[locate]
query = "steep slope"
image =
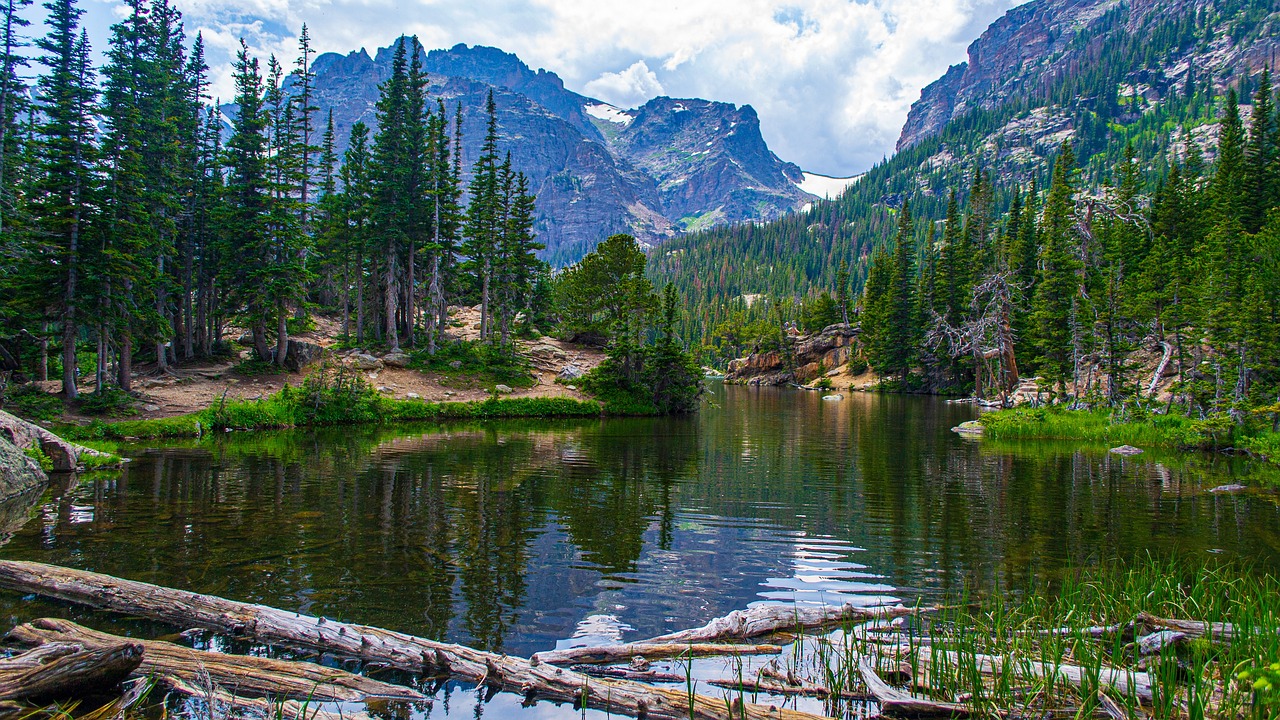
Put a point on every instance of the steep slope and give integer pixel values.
(1100, 73)
(655, 172)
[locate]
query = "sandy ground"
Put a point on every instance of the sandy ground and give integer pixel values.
(196, 385)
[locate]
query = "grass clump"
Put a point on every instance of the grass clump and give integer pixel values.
(30, 401)
(108, 402)
(35, 452)
(1154, 430)
(1052, 649)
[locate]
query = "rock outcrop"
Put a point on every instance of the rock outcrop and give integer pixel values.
(1023, 51)
(19, 474)
(22, 434)
(806, 358)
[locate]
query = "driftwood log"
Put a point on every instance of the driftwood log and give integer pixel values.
(738, 625)
(222, 704)
(68, 671)
(237, 674)
(530, 678)
(899, 704)
(607, 654)
(1126, 682)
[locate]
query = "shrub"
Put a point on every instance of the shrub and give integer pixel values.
(111, 402)
(35, 452)
(478, 365)
(31, 402)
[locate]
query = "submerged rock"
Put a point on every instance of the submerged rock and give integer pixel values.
(1126, 450)
(836, 396)
(1228, 488)
(969, 427)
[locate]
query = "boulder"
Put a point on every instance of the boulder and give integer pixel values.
(396, 359)
(837, 396)
(502, 389)
(64, 455)
(969, 427)
(365, 361)
(1127, 450)
(413, 396)
(19, 474)
(571, 372)
(301, 354)
(456, 364)
(1228, 488)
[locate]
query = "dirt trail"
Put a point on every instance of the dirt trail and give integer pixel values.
(196, 385)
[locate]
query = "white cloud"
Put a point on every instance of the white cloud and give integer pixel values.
(628, 88)
(832, 80)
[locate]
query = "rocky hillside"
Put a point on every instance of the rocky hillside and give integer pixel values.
(1104, 74)
(655, 172)
(1022, 55)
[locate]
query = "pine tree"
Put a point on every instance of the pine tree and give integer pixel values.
(1053, 318)
(484, 216)
(248, 269)
(12, 99)
(65, 182)
(903, 316)
(1261, 186)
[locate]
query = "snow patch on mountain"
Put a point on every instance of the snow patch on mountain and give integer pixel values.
(608, 113)
(824, 186)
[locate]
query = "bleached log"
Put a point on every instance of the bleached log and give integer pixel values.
(1126, 682)
(534, 680)
(768, 619)
(222, 704)
(240, 674)
(899, 704)
(604, 654)
(73, 674)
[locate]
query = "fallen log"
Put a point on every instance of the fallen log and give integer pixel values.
(74, 674)
(900, 704)
(534, 680)
(222, 704)
(1225, 632)
(1126, 682)
(239, 674)
(775, 687)
(769, 619)
(604, 654)
(629, 674)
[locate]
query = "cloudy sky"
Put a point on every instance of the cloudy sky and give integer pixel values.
(832, 80)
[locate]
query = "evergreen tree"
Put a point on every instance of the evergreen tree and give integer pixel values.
(1054, 309)
(65, 182)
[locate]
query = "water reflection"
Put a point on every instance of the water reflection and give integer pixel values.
(522, 536)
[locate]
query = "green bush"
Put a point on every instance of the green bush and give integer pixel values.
(255, 367)
(111, 402)
(477, 365)
(31, 402)
(35, 452)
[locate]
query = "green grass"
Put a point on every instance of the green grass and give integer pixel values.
(292, 407)
(30, 402)
(1102, 427)
(1086, 618)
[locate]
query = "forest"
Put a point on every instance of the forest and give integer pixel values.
(141, 220)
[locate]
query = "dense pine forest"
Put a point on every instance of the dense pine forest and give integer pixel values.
(141, 220)
(1132, 89)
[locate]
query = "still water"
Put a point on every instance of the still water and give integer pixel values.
(523, 536)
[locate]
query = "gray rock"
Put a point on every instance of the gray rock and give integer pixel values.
(836, 396)
(455, 364)
(572, 387)
(1126, 450)
(365, 361)
(969, 427)
(22, 434)
(300, 354)
(413, 396)
(503, 389)
(1228, 489)
(385, 390)
(571, 372)
(18, 473)
(151, 408)
(396, 359)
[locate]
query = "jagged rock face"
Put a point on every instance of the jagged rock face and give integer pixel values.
(1036, 41)
(811, 356)
(19, 474)
(668, 166)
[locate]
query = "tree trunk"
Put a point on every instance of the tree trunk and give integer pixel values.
(124, 368)
(359, 298)
(484, 302)
(260, 339)
(392, 292)
(282, 332)
(72, 675)
(42, 362)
